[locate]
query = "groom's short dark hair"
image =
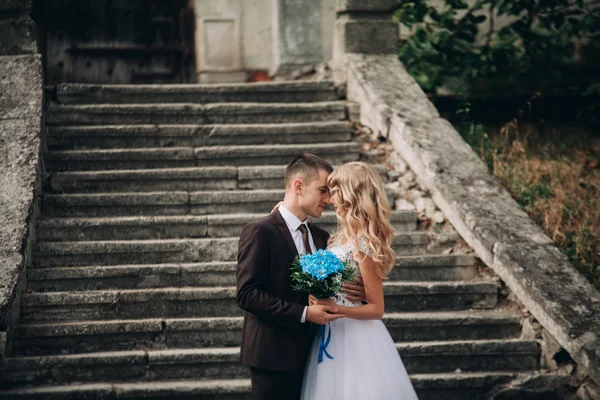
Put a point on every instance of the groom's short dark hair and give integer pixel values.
(306, 166)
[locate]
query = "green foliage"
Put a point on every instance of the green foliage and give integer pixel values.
(475, 135)
(458, 42)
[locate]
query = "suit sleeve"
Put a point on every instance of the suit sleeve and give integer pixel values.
(252, 274)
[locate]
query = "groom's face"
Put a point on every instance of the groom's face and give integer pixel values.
(315, 195)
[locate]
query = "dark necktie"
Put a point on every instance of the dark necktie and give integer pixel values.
(304, 231)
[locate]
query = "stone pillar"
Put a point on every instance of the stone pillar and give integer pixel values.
(363, 26)
(297, 38)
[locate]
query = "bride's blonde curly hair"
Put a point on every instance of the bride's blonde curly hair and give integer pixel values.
(362, 211)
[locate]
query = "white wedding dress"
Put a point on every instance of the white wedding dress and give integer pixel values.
(365, 364)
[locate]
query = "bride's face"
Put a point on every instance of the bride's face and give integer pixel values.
(337, 202)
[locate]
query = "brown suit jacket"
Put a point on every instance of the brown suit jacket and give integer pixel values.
(273, 336)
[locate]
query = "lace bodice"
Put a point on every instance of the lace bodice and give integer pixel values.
(345, 254)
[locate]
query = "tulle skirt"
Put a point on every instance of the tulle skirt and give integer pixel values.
(365, 365)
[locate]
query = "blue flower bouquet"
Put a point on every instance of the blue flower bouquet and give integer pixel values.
(321, 274)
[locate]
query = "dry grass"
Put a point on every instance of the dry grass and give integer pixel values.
(554, 174)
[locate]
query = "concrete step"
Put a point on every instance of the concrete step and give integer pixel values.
(114, 204)
(173, 157)
(427, 267)
(186, 302)
(160, 203)
(177, 364)
(140, 276)
(137, 136)
(447, 386)
(145, 180)
(121, 335)
(174, 179)
(266, 92)
(190, 113)
(118, 252)
(177, 226)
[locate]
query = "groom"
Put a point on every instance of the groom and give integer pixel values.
(276, 336)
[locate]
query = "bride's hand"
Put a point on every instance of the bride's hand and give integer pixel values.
(276, 207)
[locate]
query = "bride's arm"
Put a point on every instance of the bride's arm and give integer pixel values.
(373, 290)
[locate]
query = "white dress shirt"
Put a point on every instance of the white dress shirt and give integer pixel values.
(293, 223)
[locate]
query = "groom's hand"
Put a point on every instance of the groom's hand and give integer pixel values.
(355, 291)
(321, 315)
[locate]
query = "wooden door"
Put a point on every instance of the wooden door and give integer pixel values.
(117, 41)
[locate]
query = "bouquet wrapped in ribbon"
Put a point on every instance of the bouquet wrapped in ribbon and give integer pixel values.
(321, 274)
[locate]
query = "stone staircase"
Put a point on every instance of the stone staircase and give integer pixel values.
(132, 290)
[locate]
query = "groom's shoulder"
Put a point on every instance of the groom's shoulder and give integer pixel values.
(262, 225)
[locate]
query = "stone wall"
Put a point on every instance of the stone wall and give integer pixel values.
(270, 35)
(20, 127)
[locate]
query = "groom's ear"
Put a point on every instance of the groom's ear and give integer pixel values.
(297, 185)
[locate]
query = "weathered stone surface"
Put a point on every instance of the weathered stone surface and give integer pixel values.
(144, 180)
(367, 36)
(20, 116)
(542, 387)
(189, 113)
(20, 87)
(297, 35)
(563, 301)
(428, 386)
(375, 83)
(265, 92)
(11, 266)
(17, 36)
(335, 153)
(362, 5)
(479, 208)
(143, 136)
(134, 252)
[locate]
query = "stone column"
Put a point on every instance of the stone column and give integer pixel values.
(363, 26)
(297, 38)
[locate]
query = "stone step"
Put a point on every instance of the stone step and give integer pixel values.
(173, 179)
(144, 180)
(160, 203)
(447, 386)
(452, 267)
(211, 363)
(118, 252)
(207, 302)
(140, 276)
(138, 136)
(177, 226)
(265, 92)
(190, 113)
(114, 204)
(121, 335)
(182, 157)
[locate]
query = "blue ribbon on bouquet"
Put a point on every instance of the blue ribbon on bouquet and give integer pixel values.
(323, 343)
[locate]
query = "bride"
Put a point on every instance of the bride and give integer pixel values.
(365, 363)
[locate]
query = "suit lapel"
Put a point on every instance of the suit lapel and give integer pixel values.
(285, 232)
